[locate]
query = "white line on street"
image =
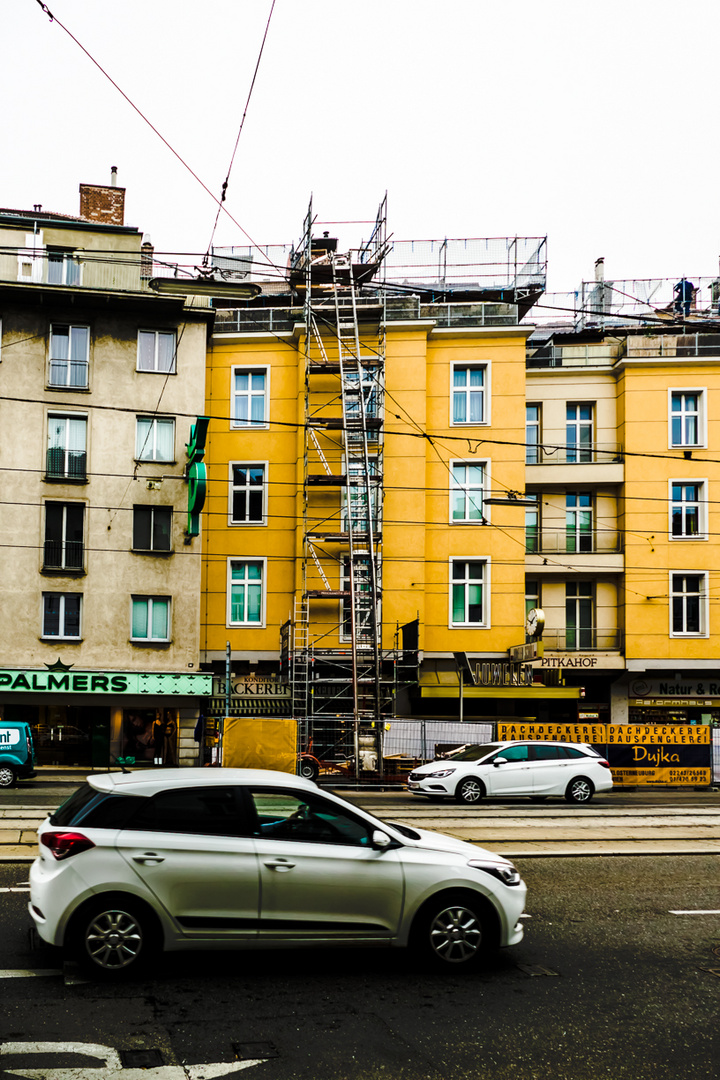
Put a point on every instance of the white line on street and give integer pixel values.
(11, 888)
(710, 912)
(28, 974)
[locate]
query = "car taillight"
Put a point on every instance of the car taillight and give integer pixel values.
(64, 844)
(602, 761)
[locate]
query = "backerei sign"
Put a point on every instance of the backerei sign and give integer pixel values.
(104, 682)
(655, 754)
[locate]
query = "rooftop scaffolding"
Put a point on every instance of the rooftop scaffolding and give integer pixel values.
(604, 304)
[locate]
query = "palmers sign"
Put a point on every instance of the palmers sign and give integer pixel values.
(104, 682)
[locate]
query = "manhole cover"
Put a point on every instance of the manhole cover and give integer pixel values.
(141, 1059)
(247, 1051)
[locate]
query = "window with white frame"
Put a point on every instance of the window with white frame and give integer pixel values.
(532, 595)
(532, 526)
(69, 356)
(688, 505)
(156, 350)
(152, 528)
(688, 604)
(61, 615)
(468, 592)
(150, 619)
(532, 434)
(469, 394)
(249, 396)
(687, 418)
(155, 438)
(246, 583)
(247, 493)
(364, 614)
(579, 431)
(580, 615)
(578, 521)
(360, 497)
(67, 447)
(63, 267)
(468, 486)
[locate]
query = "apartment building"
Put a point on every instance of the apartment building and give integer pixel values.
(367, 416)
(101, 377)
(622, 546)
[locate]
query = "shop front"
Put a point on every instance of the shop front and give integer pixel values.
(675, 699)
(95, 719)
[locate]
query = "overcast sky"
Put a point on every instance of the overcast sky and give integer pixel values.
(593, 123)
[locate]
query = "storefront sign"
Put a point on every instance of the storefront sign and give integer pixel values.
(674, 691)
(252, 686)
(503, 674)
(654, 754)
(582, 661)
(104, 682)
(197, 474)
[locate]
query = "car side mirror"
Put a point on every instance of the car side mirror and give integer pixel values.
(380, 840)
(500, 761)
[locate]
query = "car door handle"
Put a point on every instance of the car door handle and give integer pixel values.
(281, 865)
(149, 858)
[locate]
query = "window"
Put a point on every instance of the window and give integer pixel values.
(156, 350)
(368, 382)
(468, 586)
(466, 497)
(307, 818)
(64, 548)
(246, 592)
(152, 528)
(578, 521)
(364, 614)
(249, 396)
(469, 405)
(63, 267)
(532, 595)
(150, 618)
(61, 615)
(69, 356)
(207, 811)
(356, 496)
(532, 527)
(66, 454)
(532, 434)
(579, 615)
(687, 510)
(247, 494)
(688, 597)
(579, 432)
(513, 753)
(687, 420)
(155, 439)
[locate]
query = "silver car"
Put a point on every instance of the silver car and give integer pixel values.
(535, 769)
(140, 862)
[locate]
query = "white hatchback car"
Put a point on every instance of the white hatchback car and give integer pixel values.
(134, 863)
(534, 769)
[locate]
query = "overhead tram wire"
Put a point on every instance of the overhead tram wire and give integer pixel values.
(223, 194)
(53, 18)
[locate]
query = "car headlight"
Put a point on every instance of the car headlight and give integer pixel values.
(443, 772)
(504, 872)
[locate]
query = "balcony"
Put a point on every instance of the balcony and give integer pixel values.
(68, 465)
(589, 463)
(66, 556)
(582, 639)
(572, 542)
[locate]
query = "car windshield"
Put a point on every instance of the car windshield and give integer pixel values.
(472, 753)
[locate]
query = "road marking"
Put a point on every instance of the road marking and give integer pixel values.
(28, 974)
(112, 1069)
(16, 888)
(712, 911)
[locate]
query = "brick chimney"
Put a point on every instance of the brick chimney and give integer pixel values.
(105, 205)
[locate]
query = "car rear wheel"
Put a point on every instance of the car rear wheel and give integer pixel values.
(469, 791)
(579, 790)
(114, 938)
(454, 931)
(7, 776)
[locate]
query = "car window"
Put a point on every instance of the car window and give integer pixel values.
(571, 751)
(286, 815)
(470, 753)
(543, 752)
(208, 811)
(67, 811)
(514, 753)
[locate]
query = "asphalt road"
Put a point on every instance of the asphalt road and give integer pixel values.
(607, 983)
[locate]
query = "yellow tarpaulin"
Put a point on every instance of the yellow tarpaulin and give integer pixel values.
(260, 743)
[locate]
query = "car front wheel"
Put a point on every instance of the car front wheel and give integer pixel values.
(454, 931)
(114, 938)
(469, 791)
(580, 790)
(7, 776)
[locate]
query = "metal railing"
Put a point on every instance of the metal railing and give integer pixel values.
(67, 555)
(582, 639)
(567, 542)
(573, 454)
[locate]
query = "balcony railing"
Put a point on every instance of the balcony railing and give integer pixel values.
(573, 454)
(582, 639)
(66, 464)
(63, 555)
(569, 542)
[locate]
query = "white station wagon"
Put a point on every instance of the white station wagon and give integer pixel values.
(134, 863)
(535, 769)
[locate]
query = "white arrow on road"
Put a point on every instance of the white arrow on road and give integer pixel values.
(113, 1068)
